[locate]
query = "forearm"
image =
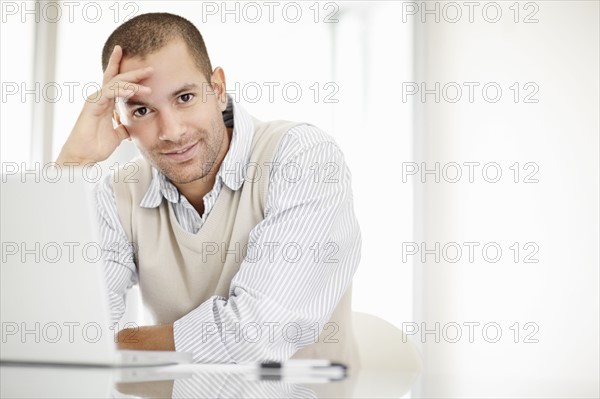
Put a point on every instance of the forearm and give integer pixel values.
(242, 328)
(68, 157)
(158, 338)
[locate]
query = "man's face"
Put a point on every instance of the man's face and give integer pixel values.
(178, 127)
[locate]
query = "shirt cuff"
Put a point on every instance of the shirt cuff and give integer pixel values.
(200, 334)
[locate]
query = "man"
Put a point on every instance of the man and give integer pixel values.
(244, 232)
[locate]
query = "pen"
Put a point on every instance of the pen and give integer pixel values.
(309, 364)
(316, 368)
(293, 379)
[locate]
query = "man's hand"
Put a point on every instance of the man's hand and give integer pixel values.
(157, 338)
(93, 138)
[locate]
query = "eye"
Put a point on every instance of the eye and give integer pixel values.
(185, 98)
(140, 111)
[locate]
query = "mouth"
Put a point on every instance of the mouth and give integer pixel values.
(182, 154)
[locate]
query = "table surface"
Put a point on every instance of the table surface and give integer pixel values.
(186, 381)
(230, 381)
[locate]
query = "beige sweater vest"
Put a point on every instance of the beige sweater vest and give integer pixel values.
(168, 257)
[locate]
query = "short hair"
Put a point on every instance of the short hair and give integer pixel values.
(148, 33)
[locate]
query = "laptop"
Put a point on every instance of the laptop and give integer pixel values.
(54, 306)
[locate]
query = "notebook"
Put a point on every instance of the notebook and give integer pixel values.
(54, 306)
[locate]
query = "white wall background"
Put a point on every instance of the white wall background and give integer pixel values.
(373, 52)
(15, 112)
(559, 214)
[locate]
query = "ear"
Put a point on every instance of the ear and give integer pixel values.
(217, 81)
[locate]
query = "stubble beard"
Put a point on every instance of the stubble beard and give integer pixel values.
(209, 146)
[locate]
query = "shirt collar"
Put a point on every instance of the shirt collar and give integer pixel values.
(231, 172)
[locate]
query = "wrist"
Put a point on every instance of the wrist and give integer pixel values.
(67, 159)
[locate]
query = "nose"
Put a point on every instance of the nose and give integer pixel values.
(172, 127)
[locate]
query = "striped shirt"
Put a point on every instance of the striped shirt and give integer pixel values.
(220, 384)
(309, 204)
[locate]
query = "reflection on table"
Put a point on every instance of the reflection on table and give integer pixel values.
(187, 381)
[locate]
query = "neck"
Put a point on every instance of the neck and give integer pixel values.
(196, 190)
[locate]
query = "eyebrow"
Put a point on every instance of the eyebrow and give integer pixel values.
(186, 87)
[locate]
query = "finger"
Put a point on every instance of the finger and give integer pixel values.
(124, 85)
(104, 100)
(122, 132)
(117, 122)
(114, 62)
(134, 76)
(123, 90)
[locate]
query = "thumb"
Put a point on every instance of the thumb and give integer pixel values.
(122, 133)
(120, 130)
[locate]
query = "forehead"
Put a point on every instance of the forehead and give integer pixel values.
(172, 64)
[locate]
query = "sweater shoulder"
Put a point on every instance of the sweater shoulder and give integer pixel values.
(133, 177)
